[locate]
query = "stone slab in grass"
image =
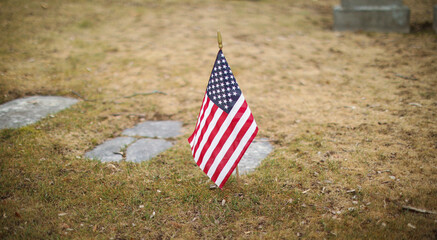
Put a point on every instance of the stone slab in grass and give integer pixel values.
(25, 111)
(159, 129)
(372, 15)
(257, 151)
(142, 149)
(109, 150)
(145, 149)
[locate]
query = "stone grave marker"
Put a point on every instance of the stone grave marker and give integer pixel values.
(257, 151)
(24, 111)
(109, 151)
(145, 149)
(140, 142)
(159, 129)
(147, 139)
(372, 15)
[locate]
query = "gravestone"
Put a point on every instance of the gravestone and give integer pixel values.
(148, 139)
(145, 149)
(435, 18)
(139, 141)
(257, 151)
(28, 110)
(109, 151)
(372, 15)
(159, 129)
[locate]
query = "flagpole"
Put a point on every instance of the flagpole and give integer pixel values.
(220, 45)
(219, 40)
(238, 175)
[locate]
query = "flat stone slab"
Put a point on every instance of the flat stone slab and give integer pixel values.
(257, 151)
(142, 149)
(159, 129)
(109, 150)
(25, 111)
(145, 149)
(365, 3)
(372, 15)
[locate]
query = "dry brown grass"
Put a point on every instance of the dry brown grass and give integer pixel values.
(352, 117)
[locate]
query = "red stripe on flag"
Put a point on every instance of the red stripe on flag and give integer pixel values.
(232, 148)
(238, 159)
(225, 136)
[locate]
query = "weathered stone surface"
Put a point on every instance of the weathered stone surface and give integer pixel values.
(257, 151)
(142, 149)
(372, 15)
(25, 111)
(159, 129)
(145, 149)
(367, 3)
(109, 150)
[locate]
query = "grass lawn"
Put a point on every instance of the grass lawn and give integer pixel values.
(352, 117)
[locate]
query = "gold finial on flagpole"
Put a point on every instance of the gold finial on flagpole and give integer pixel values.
(219, 40)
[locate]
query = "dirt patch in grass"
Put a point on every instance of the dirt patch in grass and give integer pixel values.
(351, 115)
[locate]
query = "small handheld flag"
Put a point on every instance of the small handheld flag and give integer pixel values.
(225, 126)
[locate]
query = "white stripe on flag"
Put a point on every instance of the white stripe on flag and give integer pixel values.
(222, 130)
(236, 153)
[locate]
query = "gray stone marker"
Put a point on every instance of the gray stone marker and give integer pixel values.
(109, 150)
(25, 111)
(372, 15)
(159, 129)
(141, 149)
(145, 149)
(257, 151)
(435, 18)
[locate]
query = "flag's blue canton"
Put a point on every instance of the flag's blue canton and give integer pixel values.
(222, 88)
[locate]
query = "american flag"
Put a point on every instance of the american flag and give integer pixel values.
(225, 126)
